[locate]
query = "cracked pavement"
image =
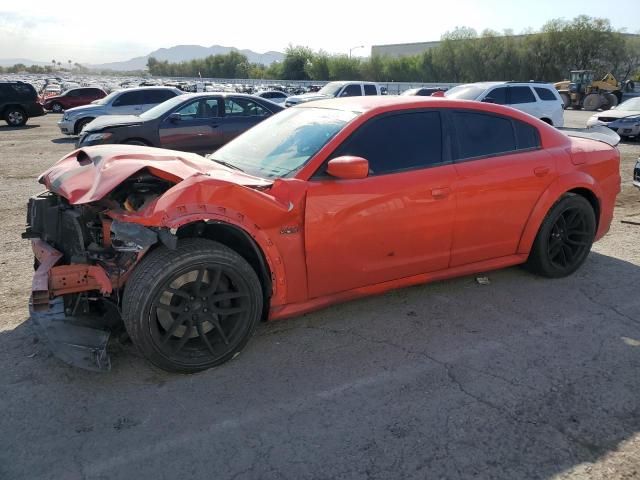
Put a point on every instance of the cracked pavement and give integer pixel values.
(524, 378)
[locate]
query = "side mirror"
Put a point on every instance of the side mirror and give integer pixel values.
(175, 117)
(348, 167)
(489, 100)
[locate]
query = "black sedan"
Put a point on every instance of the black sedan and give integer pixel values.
(199, 122)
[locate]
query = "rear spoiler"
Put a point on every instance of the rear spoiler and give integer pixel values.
(600, 133)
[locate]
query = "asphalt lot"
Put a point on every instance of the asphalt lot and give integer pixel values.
(524, 378)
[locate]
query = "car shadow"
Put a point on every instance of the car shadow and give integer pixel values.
(521, 378)
(7, 128)
(64, 140)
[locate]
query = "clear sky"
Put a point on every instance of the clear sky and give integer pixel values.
(98, 32)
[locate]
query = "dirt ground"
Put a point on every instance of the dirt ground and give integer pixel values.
(523, 378)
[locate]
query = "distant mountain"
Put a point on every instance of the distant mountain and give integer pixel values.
(183, 53)
(10, 62)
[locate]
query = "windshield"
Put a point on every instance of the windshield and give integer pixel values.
(283, 143)
(330, 89)
(107, 99)
(465, 92)
(162, 108)
(632, 104)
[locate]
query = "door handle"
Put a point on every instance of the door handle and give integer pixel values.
(440, 192)
(541, 171)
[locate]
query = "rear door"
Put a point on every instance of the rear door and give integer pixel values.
(127, 103)
(197, 129)
(152, 97)
(522, 98)
(240, 114)
(395, 223)
(502, 172)
(351, 90)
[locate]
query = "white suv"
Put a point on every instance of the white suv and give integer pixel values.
(539, 99)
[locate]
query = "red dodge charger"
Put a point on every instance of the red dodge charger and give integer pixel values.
(321, 203)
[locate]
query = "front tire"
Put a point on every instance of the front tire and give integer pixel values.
(192, 308)
(564, 239)
(56, 108)
(80, 124)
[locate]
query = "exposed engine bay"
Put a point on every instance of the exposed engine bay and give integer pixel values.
(82, 259)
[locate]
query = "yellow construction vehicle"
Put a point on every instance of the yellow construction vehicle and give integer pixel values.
(581, 91)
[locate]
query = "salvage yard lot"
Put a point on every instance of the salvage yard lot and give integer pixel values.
(522, 378)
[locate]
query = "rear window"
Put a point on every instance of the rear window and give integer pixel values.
(521, 95)
(156, 96)
(481, 135)
(18, 90)
(370, 90)
(545, 93)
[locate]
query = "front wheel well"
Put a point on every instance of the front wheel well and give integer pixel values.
(242, 243)
(593, 200)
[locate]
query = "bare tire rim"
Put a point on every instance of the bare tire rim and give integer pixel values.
(15, 118)
(200, 314)
(570, 239)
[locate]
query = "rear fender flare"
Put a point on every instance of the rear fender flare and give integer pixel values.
(549, 198)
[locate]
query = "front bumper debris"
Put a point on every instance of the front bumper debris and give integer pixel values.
(78, 341)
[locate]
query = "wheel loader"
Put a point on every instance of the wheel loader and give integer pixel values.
(581, 91)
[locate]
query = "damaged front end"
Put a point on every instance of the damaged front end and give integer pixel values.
(82, 260)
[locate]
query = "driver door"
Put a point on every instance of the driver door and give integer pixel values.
(395, 223)
(196, 129)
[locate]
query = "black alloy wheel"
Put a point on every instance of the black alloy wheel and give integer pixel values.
(564, 239)
(192, 308)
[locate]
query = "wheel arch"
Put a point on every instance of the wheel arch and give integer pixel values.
(577, 183)
(76, 130)
(9, 106)
(240, 241)
(137, 139)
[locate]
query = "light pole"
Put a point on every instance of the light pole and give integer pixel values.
(354, 48)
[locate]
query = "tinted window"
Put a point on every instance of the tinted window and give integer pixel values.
(398, 142)
(351, 91)
(126, 99)
(480, 134)
(521, 95)
(241, 107)
(499, 95)
(155, 96)
(526, 135)
(545, 93)
(370, 90)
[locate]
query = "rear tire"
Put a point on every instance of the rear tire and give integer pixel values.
(15, 117)
(192, 308)
(592, 102)
(566, 100)
(564, 239)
